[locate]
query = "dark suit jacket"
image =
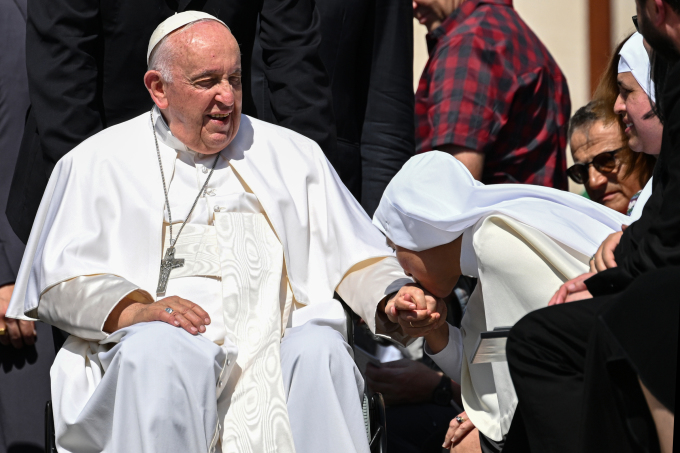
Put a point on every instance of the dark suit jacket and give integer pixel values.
(86, 60)
(367, 49)
(13, 105)
(652, 242)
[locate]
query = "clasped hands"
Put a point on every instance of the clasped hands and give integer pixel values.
(417, 311)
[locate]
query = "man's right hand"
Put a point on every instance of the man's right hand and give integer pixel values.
(17, 333)
(185, 314)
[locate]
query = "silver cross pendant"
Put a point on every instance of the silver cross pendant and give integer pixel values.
(167, 264)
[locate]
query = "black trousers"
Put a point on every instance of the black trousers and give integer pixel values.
(577, 388)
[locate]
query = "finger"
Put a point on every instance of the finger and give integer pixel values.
(402, 304)
(28, 333)
(167, 317)
(4, 339)
(415, 295)
(431, 304)
(430, 320)
(591, 264)
(14, 333)
(186, 324)
(202, 314)
(608, 258)
(462, 431)
(414, 315)
(193, 318)
(449, 436)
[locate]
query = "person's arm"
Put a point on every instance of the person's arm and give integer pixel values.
(388, 135)
(300, 91)
(94, 306)
(63, 38)
(473, 160)
(462, 119)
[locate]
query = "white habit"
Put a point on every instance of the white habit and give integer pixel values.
(520, 241)
(266, 247)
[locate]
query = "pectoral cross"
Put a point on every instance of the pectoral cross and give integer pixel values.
(167, 264)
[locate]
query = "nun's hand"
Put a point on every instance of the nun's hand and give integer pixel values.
(417, 311)
(604, 259)
(571, 290)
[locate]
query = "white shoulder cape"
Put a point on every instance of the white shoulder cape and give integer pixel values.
(102, 212)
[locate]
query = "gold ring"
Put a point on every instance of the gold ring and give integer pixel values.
(460, 420)
(3, 332)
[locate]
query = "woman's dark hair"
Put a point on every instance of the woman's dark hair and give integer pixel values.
(603, 102)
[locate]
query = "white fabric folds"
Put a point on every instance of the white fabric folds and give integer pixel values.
(105, 199)
(434, 199)
(635, 59)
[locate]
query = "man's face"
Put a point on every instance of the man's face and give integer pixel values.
(432, 13)
(205, 97)
(643, 128)
(656, 38)
(607, 188)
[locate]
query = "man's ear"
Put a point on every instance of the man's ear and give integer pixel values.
(656, 11)
(157, 88)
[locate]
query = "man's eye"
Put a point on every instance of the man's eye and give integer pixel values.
(235, 80)
(206, 83)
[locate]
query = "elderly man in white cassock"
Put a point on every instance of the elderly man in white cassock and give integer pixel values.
(192, 253)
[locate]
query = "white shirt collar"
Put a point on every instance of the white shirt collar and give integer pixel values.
(165, 134)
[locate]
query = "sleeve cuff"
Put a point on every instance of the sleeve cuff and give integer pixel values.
(450, 359)
(81, 306)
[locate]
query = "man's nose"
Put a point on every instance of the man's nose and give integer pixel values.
(596, 180)
(225, 94)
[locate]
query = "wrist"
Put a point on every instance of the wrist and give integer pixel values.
(123, 315)
(438, 339)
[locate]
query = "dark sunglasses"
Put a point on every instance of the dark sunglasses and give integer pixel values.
(635, 22)
(604, 163)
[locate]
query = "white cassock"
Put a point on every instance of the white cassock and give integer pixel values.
(273, 237)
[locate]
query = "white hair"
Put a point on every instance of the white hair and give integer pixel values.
(163, 54)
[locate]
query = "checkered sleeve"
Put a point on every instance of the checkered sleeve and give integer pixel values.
(467, 87)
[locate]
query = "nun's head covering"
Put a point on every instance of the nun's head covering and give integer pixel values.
(175, 22)
(434, 199)
(635, 59)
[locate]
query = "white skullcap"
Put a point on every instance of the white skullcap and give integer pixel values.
(174, 22)
(635, 59)
(434, 199)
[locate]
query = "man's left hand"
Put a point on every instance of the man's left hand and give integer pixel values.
(604, 257)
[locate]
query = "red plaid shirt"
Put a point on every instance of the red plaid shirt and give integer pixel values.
(490, 85)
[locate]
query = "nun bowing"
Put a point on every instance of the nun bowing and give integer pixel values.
(522, 242)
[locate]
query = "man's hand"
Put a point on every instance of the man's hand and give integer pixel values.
(416, 311)
(604, 257)
(404, 381)
(185, 314)
(459, 434)
(18, 333)
(571, 290)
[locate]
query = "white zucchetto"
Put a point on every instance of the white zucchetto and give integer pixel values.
(174, 22)
(635, 59)
(434, 199)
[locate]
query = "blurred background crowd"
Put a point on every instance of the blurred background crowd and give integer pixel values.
(520, 92)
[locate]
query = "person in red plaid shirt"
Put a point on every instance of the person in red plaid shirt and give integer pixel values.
(491, 94)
